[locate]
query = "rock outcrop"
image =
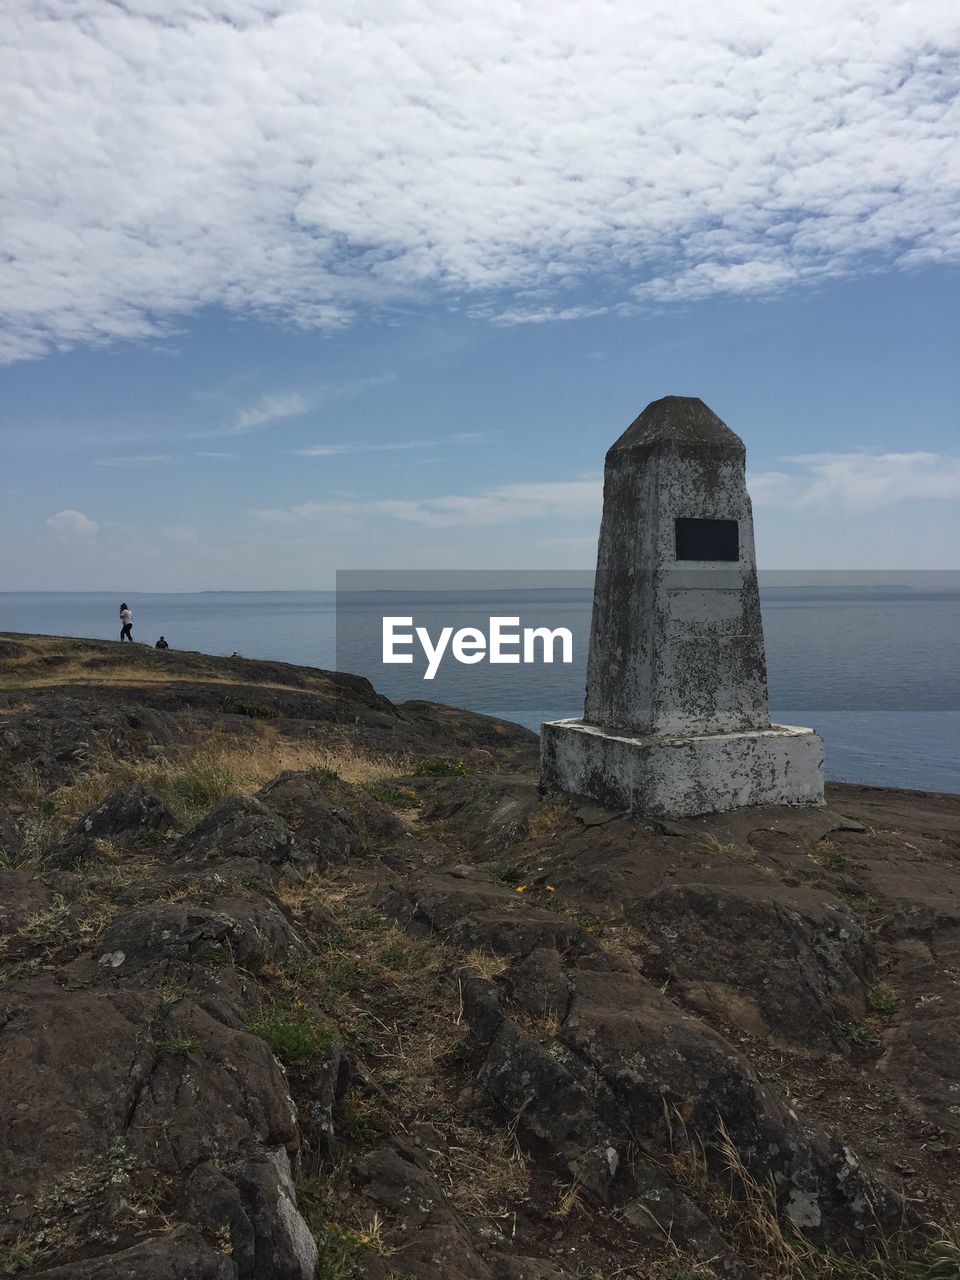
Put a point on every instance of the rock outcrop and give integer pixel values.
(425, 1023)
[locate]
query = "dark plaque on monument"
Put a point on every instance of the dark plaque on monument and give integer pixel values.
(707, 539)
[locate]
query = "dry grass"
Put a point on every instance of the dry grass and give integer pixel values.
(395, 999)
(549, 817)
(631, 944)
(569, 1199)
(196, 777)
(711, 843)
(219, 765)
(482, 1172)
(486, 964)
(829, 855)
(747, 1211)
(60, 924)
(545, 1025)
(46, 661)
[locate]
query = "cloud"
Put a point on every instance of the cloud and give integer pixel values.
(388, 446)
(136, 460)
(571, 499)
(72, 526)
(537, 315)
(267, 410)
(311, 161)
(279, 406)
(862, 481)
(859, 481)
(339, 450)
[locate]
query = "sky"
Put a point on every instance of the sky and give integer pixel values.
(292, 287)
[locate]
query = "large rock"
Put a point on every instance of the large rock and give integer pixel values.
(436, 1242)
(214, 1091)
(527, 1079)
(627, 1065)
(112, 1089)
(669, 1070)
(72, 1065)
(762, 942)
(781, 962)
(325, 830)
(242, 827)
(284, 1246)
(484, 814)
(64, 732)
(478, 915)
(249, 931)
(124, 814)
(181, 1255)
(256, 1206)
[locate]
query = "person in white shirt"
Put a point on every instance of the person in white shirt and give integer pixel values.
(126, 620)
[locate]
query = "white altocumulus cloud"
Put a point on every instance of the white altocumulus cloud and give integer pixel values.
(390, 446)
(267, 410)
(852, 481)
(72, 526)
(862, 481)
(571, 499)
(341, 450)
(310, 159)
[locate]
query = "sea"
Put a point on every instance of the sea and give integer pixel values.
(876, 672)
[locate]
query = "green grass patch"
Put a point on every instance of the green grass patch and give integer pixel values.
(199, 787)
(326, 777)
(393, 797)
(339, 1249)
(511, 873)
(171, 993)
(360, 1120)
(829, 855)
(343, 971)
(362, 918)
(441, 767)
(13, 860)
(294, 1031)
(883, 1000)
(13, 1261)
(939, 1261)
(857, 1035)
(402, 954)
(178, 1042)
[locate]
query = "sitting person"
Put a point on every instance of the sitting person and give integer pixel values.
(161, 644)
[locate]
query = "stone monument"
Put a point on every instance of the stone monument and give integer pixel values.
(675, 720)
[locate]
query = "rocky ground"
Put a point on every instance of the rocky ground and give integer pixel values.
(297, 983)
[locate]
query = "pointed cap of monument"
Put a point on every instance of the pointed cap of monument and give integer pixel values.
(682, 420)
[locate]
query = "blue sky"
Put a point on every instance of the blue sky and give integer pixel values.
(294, 288)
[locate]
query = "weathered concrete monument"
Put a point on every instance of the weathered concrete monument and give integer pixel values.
(675, 720)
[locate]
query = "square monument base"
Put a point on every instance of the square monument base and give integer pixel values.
(683, 776)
